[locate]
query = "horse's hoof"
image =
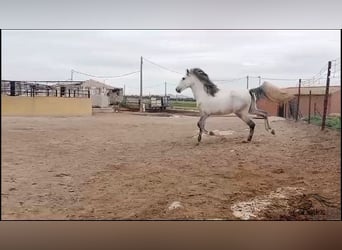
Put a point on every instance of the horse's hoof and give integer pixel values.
(211, 133)
(199, 138)
(245, 141)
(272, 132)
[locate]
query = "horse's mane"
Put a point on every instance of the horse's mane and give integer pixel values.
(208, 85)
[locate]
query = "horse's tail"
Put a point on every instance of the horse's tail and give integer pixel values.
(271, 92)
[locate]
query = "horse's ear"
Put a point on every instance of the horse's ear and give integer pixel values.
(187, 72)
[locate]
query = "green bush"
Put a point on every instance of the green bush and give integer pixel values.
(330, 122)
(333, 122)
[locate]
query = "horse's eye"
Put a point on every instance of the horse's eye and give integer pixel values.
(183, 78)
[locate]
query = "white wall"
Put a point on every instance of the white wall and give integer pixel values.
(100, 100)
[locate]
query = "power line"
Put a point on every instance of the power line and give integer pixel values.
(279, 79)
(155, 85)
(172, 83)
(108, 77)
(229, 80)
(162, 67)
(322, 74)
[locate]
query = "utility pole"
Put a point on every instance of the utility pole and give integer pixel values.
(326, 96)
(72, 74)
(309, 115)
(259, 80)
(247, 81)
(165, 89)
(124, 90)
(298, 99)
(140, 98)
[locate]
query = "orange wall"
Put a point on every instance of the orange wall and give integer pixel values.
(270, 107)
(334, 105)
(315, 99)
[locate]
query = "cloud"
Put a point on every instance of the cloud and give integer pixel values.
(223, 54)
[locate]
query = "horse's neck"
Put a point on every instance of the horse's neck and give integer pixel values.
(198, 91)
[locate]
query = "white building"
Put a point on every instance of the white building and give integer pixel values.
(101, 94)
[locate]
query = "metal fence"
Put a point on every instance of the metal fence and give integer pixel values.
(12, 88)
(150, 103)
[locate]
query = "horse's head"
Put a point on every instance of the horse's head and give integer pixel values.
(186, 82)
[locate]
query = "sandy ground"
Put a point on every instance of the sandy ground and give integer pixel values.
(130, 166)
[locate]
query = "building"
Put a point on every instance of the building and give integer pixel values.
(317, 102)
(26, 88)
(101, 94)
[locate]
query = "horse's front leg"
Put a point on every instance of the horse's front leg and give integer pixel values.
(201, 125)
(200, 130)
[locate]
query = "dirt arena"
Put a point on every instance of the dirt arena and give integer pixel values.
(131, 166)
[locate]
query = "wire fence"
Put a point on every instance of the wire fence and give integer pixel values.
(304, 106)
(310, 104)
(318, 102)
(249, 81)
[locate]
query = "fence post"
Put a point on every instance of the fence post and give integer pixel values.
(69, 92)
(74, 93)
(326, 97)
(88, 93)
(47, 92)
(309, 107)
(298, 99)
(12, 88)
(56, 93)
(141, 85)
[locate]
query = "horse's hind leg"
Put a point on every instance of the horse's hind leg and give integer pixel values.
(254, 110)
(249, 122)
(264, 115)
(201, 125)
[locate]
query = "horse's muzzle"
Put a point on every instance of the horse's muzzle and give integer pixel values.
(178, 90)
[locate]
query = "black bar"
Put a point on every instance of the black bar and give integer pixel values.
(12, 89)
(325, 104)
(298, 99)
(309, 107)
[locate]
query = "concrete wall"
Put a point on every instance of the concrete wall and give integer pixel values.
(270, 107)
(335, 105)
(45, 106)
(101, 101)
(317, 102)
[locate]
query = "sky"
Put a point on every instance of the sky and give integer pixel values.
(227, 56)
